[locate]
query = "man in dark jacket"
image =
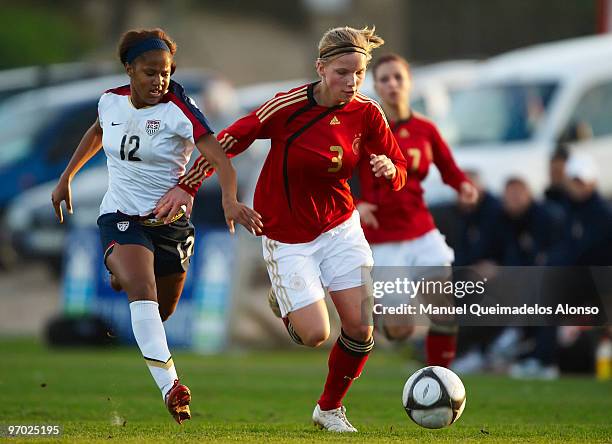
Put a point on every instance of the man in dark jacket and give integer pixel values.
(527, 229)
(476, 226)
(588, 238)
(526, 234)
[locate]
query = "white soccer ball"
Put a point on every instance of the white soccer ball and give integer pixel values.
(434, 397)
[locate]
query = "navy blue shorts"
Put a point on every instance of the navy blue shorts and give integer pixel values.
(172, 244)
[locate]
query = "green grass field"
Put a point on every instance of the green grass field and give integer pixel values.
(109, 396)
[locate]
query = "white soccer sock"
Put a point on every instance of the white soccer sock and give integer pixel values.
(151, 338)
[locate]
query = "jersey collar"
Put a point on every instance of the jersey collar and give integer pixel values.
(312, 101)
(395, 125)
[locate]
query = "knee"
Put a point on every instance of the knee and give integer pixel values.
(398, 332)
(315, 337)
(137, 288)
(165, 312)
(361, 333)
(114, 283)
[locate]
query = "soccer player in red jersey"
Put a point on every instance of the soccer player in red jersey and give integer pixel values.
(312, 238)
(399, 226)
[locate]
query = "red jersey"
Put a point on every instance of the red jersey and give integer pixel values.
(404, 215)
(303, 189)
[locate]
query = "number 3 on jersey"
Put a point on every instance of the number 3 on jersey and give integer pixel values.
(336, 160)
(133, 145)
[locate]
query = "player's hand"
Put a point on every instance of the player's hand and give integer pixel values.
(468, 194)
(366, 214)
(245, 216)
(382, 166)
(60, 193)
(175, 200)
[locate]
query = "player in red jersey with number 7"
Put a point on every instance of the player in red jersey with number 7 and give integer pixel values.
(312, 238)
(399, 226)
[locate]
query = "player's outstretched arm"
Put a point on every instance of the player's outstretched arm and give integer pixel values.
(90, 144)
(233, 140)
(235, 211)
(450, 172)
(189, 183)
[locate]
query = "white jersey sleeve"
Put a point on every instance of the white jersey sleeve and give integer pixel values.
(103, 104)
(193, 124)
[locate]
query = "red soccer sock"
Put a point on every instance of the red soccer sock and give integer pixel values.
(346, 361)
(440, 349)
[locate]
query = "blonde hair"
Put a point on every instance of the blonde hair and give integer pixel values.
(342, 40)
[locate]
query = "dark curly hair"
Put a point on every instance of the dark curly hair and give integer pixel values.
(135, 36)
(389, 57)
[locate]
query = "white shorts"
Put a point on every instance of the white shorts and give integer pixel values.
(429, 250)
(299, 272)
(427, 257)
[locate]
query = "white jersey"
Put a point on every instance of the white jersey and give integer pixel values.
(146, 148)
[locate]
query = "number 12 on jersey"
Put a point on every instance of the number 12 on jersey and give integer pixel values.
(133, 145)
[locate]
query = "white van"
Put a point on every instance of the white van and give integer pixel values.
(510, 118)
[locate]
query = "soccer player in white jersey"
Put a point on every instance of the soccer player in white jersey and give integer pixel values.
(148, 130)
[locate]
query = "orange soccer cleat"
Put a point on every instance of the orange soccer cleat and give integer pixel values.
(177, 401)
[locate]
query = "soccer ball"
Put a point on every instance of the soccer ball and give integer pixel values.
(434, 397)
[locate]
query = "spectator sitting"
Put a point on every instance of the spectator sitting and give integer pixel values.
(588, 237)
(524, 233)
(587, 240)
(527, 229)
(475, 247)
(475, 226)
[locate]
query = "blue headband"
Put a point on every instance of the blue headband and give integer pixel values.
(144, 46)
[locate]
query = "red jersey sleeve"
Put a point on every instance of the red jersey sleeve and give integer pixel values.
(380, 140)
(234, 139)
(444, 161)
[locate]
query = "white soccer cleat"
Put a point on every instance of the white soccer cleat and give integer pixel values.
(332, 420)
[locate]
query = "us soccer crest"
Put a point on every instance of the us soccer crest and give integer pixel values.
(122, 226)
(152, 126)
